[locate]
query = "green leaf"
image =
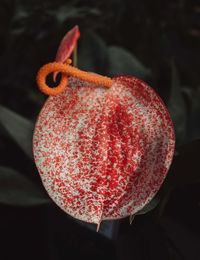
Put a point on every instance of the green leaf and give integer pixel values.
(185, 168)
(177, 106)
(108, 228)
(122, 62)
(92, 53)
(146, 209)
(194, 118)
(19, 128)
(17, 190)
(70, 11)
(150, 206)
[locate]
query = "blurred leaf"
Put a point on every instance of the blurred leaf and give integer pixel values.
(146, 209)
(194, 118)
(150, 206)
(185, 168)
(20, 13)
(92, 53)
(107, 60)
(19, 128)
(177, 107)
(17, 190)
(108, 228)
(70, 11)
(122, 62)
(65, 12)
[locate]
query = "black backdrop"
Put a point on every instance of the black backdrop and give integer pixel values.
(157, 41)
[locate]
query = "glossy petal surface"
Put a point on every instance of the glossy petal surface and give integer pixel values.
(103, 153)
(67, 44)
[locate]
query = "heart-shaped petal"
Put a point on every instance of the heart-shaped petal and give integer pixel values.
(103, 153)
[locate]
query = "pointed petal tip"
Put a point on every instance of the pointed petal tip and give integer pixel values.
(98, 227)
(67, 44)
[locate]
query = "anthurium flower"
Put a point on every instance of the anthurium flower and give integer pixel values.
(102, 146)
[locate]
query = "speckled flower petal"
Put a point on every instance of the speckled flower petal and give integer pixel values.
(103, 153)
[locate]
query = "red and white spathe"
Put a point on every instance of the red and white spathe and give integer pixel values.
(103, 153)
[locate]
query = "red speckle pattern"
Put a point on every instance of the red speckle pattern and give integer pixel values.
(103, 153)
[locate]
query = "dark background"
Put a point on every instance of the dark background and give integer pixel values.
(157, 41)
